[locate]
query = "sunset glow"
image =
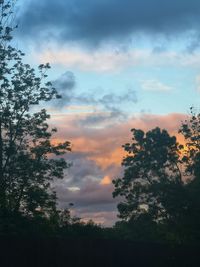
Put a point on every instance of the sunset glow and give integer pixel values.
(137, 70)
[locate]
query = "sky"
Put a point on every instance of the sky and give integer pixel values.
(118, 65)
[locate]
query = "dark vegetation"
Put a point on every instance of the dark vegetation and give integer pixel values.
(161, 184)
(159, 192)
(94, 252)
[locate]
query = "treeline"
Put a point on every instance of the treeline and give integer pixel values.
(160, 189)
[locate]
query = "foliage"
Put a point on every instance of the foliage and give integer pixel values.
(151, 164)
(161, 184)
(190, 129)
(27, 156)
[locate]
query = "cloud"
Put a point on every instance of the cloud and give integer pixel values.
(66, 82)
(99, 20)
(109, 103)
(99, 61)
(193, 43)
(101, 119)
(83, 169)
(103, 145)
(91, 194)
(96, 155)
(92, 201)
(155, 85)
(64, 85)
(106, 180)
(198, 83)
(109, 61)
(110, 100)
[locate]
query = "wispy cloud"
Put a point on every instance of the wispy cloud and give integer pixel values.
(155, 86)
(99, 61)
(102, 108)
(198, 83)
(109, 61)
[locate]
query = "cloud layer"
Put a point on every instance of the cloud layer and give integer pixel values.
(112, 62)
(96, 157)
(99, 20)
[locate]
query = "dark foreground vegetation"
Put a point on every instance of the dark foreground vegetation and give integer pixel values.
(60, 252)
(159, 192)
(39, 242)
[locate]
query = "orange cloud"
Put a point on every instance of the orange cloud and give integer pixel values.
(109, 158)
(104, 145)
(96, 156)
(106, 180)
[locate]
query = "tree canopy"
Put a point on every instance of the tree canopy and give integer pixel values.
(28, 162)
(151, 164)
(161, 180)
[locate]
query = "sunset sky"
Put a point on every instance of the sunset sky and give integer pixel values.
(118, 65)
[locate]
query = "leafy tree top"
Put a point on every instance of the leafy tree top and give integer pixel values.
(152, 160)
(27, 164)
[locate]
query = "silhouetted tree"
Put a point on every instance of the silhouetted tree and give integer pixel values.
(151, 175)
(161, 184)
(190, 129)
(27, 156)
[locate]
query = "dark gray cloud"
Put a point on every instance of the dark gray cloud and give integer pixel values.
(66, 82)
(111, 103)
(100, 118)
(97, 20)
(92, 200)
(82, 169)
(110, 100)
(87, 175)
(91, 194)
(64, 85)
